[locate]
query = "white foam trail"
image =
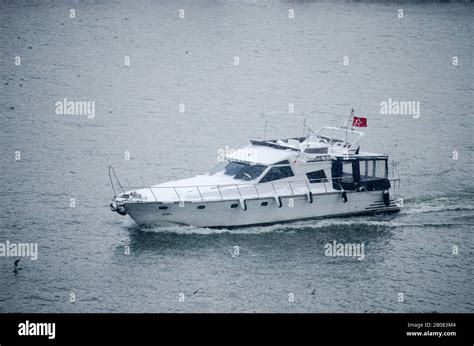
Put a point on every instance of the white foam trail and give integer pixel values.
(283, 227)
(422, 208)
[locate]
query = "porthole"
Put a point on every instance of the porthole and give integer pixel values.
(264, 204)
(201, 206)
(163, 207)
(234, 205)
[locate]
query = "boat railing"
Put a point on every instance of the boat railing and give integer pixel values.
(227, 191)
(206, 193)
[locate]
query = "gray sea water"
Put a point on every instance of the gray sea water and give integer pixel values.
(190, 61)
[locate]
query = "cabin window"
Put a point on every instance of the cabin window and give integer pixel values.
(347, 176)
(264, 204)
(343, 174)
(234, 205)
(201, 206)
(163, 207)
(373, 169)
(232, 168)
(364, 169)
(238, 170)
(380, 169)
(250, 172)
(317, 176)
(277, 173)
(347, 169)
(373, 174)
(241, 171)
(370, 170)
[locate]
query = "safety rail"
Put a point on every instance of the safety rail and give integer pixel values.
(241, 191)
(227, 191)
(207, 193)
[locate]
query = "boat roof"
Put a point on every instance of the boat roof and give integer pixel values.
(260, 155)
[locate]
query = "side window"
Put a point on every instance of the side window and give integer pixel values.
(372, 169)
(363, 169)
(347, 169)
(380, 169)
(277, 173)
(347, 176)
(317, 176)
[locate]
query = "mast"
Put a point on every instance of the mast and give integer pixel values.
(348, 120)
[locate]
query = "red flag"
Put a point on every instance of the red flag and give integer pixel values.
(359, 122)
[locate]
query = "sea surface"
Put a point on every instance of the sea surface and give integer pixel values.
(420, 260)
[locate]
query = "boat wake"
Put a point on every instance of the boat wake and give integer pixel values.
(353, 224)
(436, 205)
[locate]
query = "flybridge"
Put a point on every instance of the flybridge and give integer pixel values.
(327, 140)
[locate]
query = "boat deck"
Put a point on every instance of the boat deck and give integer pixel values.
(169, 194)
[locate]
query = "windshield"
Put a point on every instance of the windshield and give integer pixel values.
(240, 171)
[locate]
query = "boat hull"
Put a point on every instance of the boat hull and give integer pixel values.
(258, 211)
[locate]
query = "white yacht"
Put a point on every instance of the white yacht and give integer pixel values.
(323, 174)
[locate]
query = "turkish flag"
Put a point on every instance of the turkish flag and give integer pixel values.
(359, 122)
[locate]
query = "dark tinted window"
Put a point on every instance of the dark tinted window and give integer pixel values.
(317, 176)
(243, 171)
(233, 168)
(250, 172)
(277, 173)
